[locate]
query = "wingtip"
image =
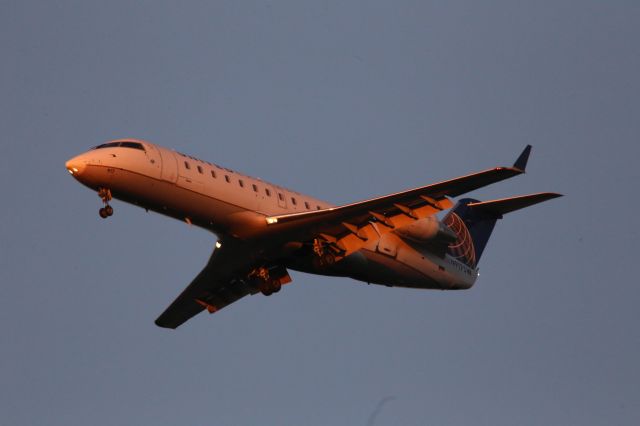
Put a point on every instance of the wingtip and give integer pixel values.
(162, 324)
(521, 162)
(553, 195)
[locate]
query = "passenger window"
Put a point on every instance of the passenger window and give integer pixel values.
(268, 192)
(200, 169)
(213, 173)
(255, 187)
(226, 177)
(280, 196)
(306, 205)
(241, 183)
(187, 165)
(293, 201)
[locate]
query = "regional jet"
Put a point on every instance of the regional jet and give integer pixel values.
(264, 230)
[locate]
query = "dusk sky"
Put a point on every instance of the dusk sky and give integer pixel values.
(343, 100)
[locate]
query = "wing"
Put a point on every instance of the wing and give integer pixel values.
(214, 288)
(346, 228)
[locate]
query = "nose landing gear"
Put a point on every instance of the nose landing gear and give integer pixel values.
(105, 196)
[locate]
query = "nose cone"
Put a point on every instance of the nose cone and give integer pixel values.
(76, 166)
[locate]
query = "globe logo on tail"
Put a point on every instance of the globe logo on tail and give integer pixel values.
(461, 249)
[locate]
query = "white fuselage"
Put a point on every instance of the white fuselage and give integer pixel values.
(232, 204)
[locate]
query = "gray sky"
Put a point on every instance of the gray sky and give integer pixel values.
(344, 101)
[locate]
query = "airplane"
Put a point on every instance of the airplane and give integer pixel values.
(264, 229)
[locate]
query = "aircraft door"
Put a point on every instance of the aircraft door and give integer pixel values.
(169, 166)
(154, 166)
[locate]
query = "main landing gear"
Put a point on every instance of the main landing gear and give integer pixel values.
(323, 257)
(105, 196)
(270, 281)
(268, 285)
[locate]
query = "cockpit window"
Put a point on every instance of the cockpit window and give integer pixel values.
(107, 145)
(134, 145)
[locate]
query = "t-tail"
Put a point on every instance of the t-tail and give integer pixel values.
(473, 222)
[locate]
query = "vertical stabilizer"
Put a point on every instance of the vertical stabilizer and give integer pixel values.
(473, 229)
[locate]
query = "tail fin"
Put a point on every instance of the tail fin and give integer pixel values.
(473, 222)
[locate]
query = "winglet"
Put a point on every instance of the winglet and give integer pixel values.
(521, 162)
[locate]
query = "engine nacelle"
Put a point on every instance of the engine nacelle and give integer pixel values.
(427, 229)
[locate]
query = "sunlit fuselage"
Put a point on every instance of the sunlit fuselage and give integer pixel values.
(232, 204)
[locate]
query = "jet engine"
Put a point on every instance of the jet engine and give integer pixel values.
(429, 229)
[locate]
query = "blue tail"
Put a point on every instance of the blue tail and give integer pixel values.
(473, 222)
(473, 229)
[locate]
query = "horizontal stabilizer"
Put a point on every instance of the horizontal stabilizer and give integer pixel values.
(508, 205)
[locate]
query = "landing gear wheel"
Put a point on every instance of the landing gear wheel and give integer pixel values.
(271, 288)
(328, 259)
(324, 261)
(105, 196)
